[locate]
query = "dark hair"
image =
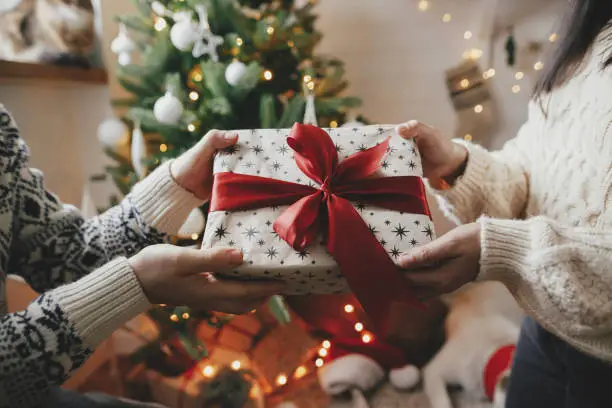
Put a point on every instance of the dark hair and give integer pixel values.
(580, 27)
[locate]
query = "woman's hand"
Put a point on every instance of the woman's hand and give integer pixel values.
(442, 159)
(193, 169)
(180, 276)
(445, 264)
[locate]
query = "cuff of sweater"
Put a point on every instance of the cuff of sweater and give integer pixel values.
(505, 247)
(163, 203)
(99, 303)
(467, 187)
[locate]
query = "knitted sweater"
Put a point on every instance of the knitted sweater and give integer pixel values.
(89, 288)
(546, 197)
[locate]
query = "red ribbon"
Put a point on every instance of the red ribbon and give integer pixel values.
(368, 269)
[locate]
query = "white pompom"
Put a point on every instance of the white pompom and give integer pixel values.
(405, 377)
(139, 151)
(124, 58)
(184, 33)
(234, 72)
(193, 225)
(168, 109)
(158, 8)
(348, 372)
(111, 132)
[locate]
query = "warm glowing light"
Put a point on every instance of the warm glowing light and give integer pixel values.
(322, 352)
(366, 338)
(254, 393)
(478, 108)
(300, 372)
(236, 365)
(195, 236)
(319, 362)
(310, 85)
(185, 316)
(163, 305)
(307, 79)
(516, 88)
(268, 75)
(281, 379)
(194, 96)
(423, 5)
(326, 344)
(467, 137)
(464, 83)
(197, 77)
(538, 65)
(446, 18)
(467, 35)
(472, 53)
(163, 148)
(358, 326)
(174, 318)
(489, 73)
(553, 37)
(519, 75)
(191, 127)
(348, 308)
(160, 24)
(208, 371)
(333, 124)
(270, 30)
(239, 41)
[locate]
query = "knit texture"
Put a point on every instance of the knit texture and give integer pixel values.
(80, 266)
(546, 197)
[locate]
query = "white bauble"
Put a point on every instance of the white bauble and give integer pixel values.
(193, 225)
(234, 72)
(111, 132)
(124, 58)
(184, 33)
(158, 8)
(168, 109)
(122, 43)
(139, 151)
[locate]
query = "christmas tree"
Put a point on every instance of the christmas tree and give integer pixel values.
(195, 65)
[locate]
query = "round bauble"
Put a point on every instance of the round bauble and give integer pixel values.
(193, 225)
(234, 72)
(183, 34)
(138, 151)
(168, 109)
(124, 58)
(122, 44)
(111, 132)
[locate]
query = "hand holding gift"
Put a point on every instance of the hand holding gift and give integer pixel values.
(323, 210)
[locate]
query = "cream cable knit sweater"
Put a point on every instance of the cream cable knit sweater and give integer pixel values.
(547, 200)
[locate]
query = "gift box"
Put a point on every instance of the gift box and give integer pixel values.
(325, 210)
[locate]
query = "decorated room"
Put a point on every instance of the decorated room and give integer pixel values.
(305, 203)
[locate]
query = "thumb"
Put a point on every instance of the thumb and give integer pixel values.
(216, 140)
(426, 255)
(194, 261)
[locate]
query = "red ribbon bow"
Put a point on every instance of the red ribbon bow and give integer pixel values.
(373, 277)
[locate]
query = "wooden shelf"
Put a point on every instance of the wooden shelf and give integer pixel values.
(39, 72)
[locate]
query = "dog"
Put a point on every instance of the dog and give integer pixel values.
(482, 329)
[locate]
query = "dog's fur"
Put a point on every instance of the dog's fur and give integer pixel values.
(482, 318)
(47, 31)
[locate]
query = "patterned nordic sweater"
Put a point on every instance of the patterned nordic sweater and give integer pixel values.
(548, 198)
(89, 289)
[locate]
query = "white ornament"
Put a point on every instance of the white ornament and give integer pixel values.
(111, 132)
(234, 72)
(158, 8)
(168, 109)
(124, 58)
(300, 4)
(183, 34)
(139, 151)
(206, 42)
(88, 208)
(193, 225)
(123, 44)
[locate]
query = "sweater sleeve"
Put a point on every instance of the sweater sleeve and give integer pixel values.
(42, 345)
(560, 275)
(494, 183)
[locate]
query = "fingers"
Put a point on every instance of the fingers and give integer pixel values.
(216, 140)
(428, 255)
(413, 129)
(193, 261)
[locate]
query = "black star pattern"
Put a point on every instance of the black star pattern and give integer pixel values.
(272, 253)
(401, 157)
(231, 150)
(413, 242)
(385, 165)
(282, 150)
(413, 151)
(339, 148)
(383, 242)
(360, 206)
(240, 157)
(239, 224)
(267, 158)
(249, 164)
(391, 150)
(250, 233)
(428, 231)
(231, 243)
(257, 149)
(268, 223)
(303, 254)
(299, 180)
(380, 130)
(372, 229)
(387, 222)
(412, 165)
(400, 231)
(276, 166)
(417, 223)
(221, 232)
(395, 252)
(261, 242)
(311, 184)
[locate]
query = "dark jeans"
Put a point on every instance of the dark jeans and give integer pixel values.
(548, 373)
